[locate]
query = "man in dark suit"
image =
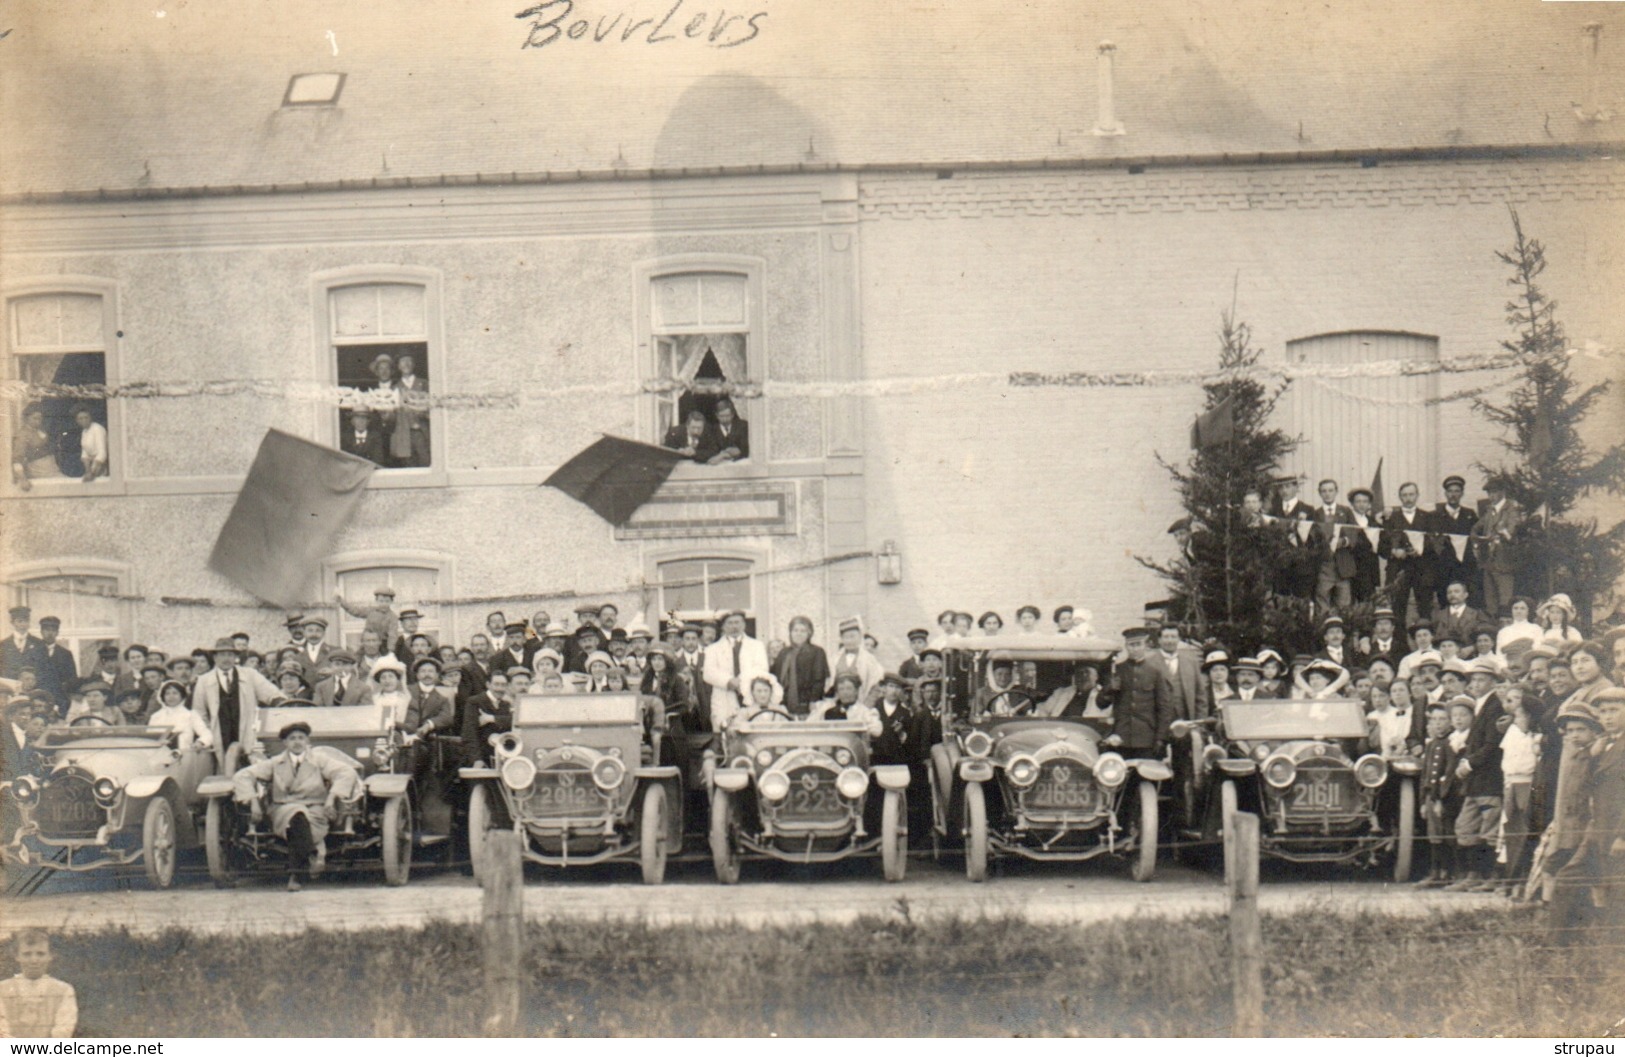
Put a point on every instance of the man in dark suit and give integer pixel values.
(1142, 708)
(1493, 538)
(345, 686)
(1604, 845)
(21, 646)
(517, 651)
(1453, 518)
(57, 667)
(409, 443)
(1456, 619)
(1479, 769)
(361, 436)
(692, 437)
(730, 437)
(1384, 643)
(1183, 667)
(1295, 575)
(1404, 546)
(1367, 567)
(1334, 579)
(1333, 642)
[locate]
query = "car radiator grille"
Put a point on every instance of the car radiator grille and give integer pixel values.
(68, 808)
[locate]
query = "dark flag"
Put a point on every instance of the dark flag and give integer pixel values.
(615, 476)
(1377, 505)
(296, 499)
(1215, 428)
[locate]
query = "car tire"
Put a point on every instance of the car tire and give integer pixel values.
(1406, 843)
(479, 828)
(724, 855)
(158, 841)
(652, 834)
(894, 835)
(397, 840)
(1145, 856)
(975, 832)
(216, 842)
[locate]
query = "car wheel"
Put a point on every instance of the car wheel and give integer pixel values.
(216, 841)
(397, 840)
(894, 835)
(1407, 831)
(479, 828)
(1145, 857)
(975, 831)
(652, 834)
(158, 842)
(724, 856)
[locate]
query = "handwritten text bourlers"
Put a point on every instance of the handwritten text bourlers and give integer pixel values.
(558, 21)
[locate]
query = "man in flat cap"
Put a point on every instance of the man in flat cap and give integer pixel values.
(228, 698)
(21, 646)
(517, 651)
(346, 686)
(1143, 700)
(917, 639)
(305, 789)
(314, 651)
(379, 617)
(1454, 518)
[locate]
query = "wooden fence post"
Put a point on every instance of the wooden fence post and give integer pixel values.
(503, 926)
(1246, 939)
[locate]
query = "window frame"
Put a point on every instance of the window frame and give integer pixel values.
(325, 427)
(112, 482)
(646, 354)
(21, 575)
(441, 564)
(760, 584)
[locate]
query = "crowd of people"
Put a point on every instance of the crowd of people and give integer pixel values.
(386, 421)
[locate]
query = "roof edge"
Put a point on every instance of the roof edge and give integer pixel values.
(1601, 151)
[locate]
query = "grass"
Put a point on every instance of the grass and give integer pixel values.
(1462, 974)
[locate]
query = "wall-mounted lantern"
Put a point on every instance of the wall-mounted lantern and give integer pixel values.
(889, 563)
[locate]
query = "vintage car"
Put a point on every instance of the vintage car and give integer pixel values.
(578, 778)
(799, 791)
(1299, 766)
(1009, 779)
(378, 822)
(107, 796)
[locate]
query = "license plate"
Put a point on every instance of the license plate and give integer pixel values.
(1317, 792)
(571, 793)
(812, 792)
(1050, 793)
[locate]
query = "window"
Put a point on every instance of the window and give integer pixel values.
(703, 358)
(695, 588)
(1348, 423)
(58, 342)
(379, 337)
(88, 606)
(416, 587)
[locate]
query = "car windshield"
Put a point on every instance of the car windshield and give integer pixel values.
(347, 721)
(1285, 720)
(574, 710)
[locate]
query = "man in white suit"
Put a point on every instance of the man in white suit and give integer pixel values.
(229, 698)
(730, 664)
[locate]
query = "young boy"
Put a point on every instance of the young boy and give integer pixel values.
(1438, 774)
(1520, 753)
(32, 1004)
(1461, 725)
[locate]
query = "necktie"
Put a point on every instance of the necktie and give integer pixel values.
(737, 644)
(338, 695)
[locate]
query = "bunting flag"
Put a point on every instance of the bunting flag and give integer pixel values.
(1416, 538)
(1459, 545)
(1215, 428)
(296, 499)
(1376, 488)
(1304, 527)
(1373, 536)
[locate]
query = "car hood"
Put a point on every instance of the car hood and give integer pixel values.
(121, 764)
(1301, 750)
(1027, 737)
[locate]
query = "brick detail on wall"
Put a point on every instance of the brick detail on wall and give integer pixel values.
(1109, 192)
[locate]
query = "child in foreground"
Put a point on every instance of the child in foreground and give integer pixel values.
(34, 1005)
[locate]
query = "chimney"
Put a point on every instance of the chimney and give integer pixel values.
(1108, 125)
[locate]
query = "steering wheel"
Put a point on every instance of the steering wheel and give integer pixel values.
(1019, 703)
(90, 721)
(765, 711)
(295, 702)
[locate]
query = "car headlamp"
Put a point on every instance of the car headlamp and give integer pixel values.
(764, 757)
(608, 772)
(506, 744)
(774, 785)
(1110, 770)
(1280, 771)
(1022, 771)
(1261, 752)
(1371, 771)
(978, 743)
(105, 790)
(843, 756)
(25, 790)
(851, 783)
(518, 773)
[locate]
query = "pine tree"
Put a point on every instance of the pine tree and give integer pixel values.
(1552, 466)
(1221, 580)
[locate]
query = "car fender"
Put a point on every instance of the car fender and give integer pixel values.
(1237, 768)
(387, 786)
(216, 785)
(146, 785)
(733, 779)
(656, 773)
(891, 776)
(975, 769)
(1152, 770)
(474, 773)
(1406, 767)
